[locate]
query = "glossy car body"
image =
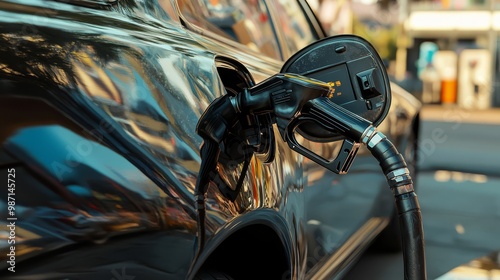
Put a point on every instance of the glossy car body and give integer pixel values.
(99, 102)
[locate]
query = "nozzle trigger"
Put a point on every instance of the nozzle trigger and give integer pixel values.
(342, 161)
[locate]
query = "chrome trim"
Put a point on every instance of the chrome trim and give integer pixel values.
(367, 134)
(400, 178)
(375, 139)
(397, 172)
(351, 249)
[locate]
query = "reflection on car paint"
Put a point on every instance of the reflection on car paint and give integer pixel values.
(98, 113)
(95, 193)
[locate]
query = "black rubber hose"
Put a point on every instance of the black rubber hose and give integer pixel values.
(412, 235)
(209, 156)
(408, 208)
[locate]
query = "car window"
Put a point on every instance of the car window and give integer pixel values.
(244, 21)
(294, 24)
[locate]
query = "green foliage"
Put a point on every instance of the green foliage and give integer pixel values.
(383, 38)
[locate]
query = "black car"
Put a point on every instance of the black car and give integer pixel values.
(99, 106)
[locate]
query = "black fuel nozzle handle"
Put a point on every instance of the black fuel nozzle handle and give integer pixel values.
(334, 118)
(283, 95)
(294, 101)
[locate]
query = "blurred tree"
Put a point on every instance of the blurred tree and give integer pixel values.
(382, 37)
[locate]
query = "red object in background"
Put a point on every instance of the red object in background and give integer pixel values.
(263, 17)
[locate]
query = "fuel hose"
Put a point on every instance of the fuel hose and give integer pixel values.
(335, 118)
(407, 205)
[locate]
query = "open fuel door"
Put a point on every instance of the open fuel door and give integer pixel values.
(361, 82)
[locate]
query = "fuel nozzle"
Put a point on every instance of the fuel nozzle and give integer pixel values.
(304, 105)
(281, 94)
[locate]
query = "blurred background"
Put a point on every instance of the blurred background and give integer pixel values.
(447, 54)
(442, 51)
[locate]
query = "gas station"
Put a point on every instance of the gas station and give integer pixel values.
(456, 46)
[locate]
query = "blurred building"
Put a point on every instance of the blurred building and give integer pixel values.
(466, 34)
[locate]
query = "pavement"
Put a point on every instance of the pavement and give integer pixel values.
(452, 113)
(457, 139)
